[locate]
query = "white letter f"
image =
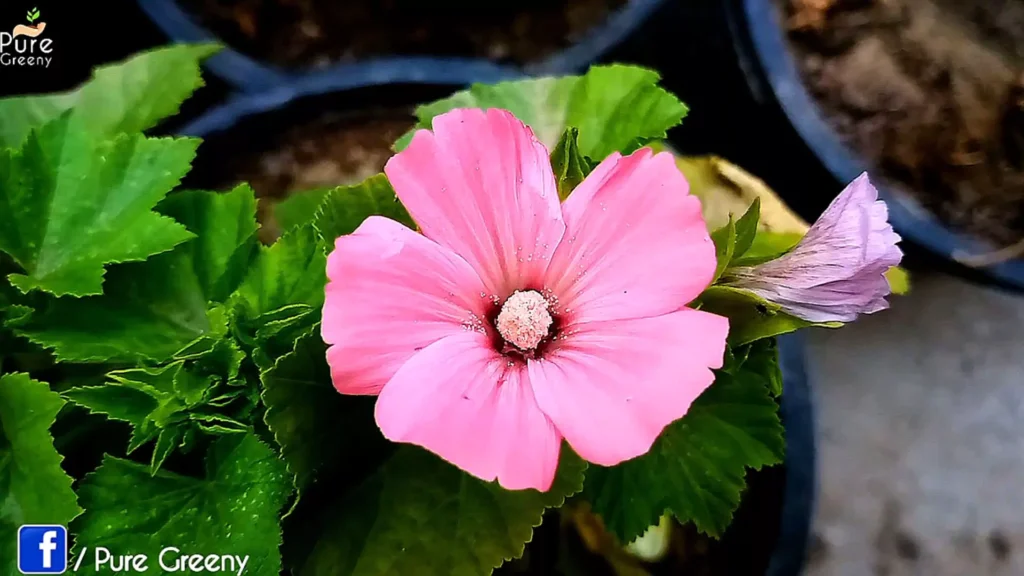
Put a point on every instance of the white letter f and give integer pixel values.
(47, 546)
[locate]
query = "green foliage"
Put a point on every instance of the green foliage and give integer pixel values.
(225, 237)
(34, 488)
(768, 246)
(307, 415)
(232, 510)
(725, 247)
(298, 209)
(32, 15)
(154, 308)
(751, 317)
(158, 316)
(616, 108)
(345, 208)
(200, 391)
(123, 98)
(430, 519)
(696, 468)
(746, 229)
(291, 271)
(569, 165)
(71, 203)
(734, 240)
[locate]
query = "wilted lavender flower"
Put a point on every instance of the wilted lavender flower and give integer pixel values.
(837, 271)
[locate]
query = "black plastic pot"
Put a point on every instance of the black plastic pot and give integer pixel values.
(250, 75)
(801, 459)
(786, 492)
(794, 148)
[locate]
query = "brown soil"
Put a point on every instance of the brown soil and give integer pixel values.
(333, 150)
(932, 93)
(320, 32)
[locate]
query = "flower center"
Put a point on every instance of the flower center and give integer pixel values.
(524, 319)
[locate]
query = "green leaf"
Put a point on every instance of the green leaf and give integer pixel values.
(218, 424)
(299, 208)
(346, 207)
(725, 246)
(155, 308)
(150, 311)
(569, 166)
(142, 397)
(751, 317)
(746, 229)
(735, 238)
(191, 387)
(233, 510)
(427, 517)
(278, 331)
(619, 107)
(768, 246)
(541, 103)
(126, 97)
(696, 468)
(761, 359)
(33, 487)
(615, 107)
(171, 403)
(166, 442)
(417, 514)
(291, 271)
(225, 228)
(307, 415)
(70, 204)
(130, 404)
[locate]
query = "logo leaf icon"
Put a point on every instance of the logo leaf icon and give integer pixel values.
(33, 15)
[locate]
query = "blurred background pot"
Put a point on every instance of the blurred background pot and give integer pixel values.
(322, 131)
(271, 42)
(784, 134)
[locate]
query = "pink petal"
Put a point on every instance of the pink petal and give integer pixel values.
(481, 184)
(612, 387)
(837, 271)
(464, 402)
(635, 243)
(390, 293)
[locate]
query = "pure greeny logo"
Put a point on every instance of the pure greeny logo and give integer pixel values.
(23, 46)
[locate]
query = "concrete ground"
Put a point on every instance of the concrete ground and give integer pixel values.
(921, 437)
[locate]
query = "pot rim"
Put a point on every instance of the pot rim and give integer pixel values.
(780, 75)
(243, 105)
(249, 74)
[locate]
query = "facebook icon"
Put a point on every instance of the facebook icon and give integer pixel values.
(42, 549)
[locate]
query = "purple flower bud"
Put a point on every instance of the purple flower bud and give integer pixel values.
(837, 271)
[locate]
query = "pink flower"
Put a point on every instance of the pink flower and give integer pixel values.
(837, 271)
(512, 321)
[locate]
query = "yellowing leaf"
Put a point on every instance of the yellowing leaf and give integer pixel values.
(725, 189)
(899, 280)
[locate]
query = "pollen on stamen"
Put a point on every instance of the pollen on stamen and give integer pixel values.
(474, 324)
(524, 320)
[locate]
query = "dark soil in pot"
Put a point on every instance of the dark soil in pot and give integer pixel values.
(303, 33)
(931, 92)
(329, 150)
